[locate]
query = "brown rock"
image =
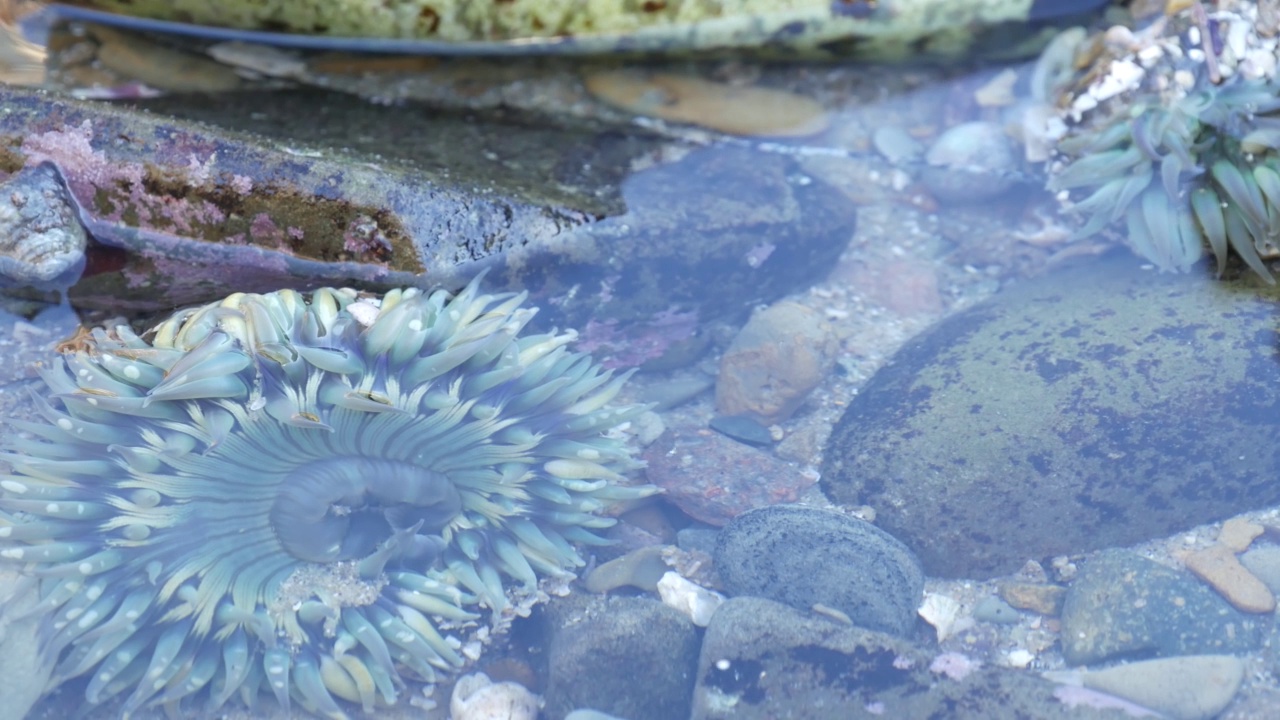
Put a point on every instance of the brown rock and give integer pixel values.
(1040, 599)
(1218, 566)
(778, 357)
(1238, 534)
(733, 109)
(160, 67)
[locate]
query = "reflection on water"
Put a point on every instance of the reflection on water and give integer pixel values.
(838, 282)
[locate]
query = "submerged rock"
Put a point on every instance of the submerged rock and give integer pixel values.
(592, 637)
(1124, 606)
(805, 556)
(1195, 687)
(629, 238)
(774, 362)
(763, 660)
(1098, 406)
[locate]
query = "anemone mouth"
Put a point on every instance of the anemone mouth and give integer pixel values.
(306, 498)
(348, 508)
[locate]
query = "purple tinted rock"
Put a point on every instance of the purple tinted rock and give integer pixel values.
(714, 479)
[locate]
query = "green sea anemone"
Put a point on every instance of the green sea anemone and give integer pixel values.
(306, 497)
(1201, 168)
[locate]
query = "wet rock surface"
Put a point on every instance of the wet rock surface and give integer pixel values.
(607, 229)
(763, 660)
(1123, 606)
(805, 556)
(1051, 420)
(591, 637)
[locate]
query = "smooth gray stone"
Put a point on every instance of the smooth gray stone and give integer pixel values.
(630, 657)
(805, 556)
(1124, 605)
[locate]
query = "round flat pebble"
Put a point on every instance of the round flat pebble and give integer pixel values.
(805, 556)
(995, 610)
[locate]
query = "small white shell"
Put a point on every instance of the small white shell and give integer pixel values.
(689, 598)
(476, 697)
(942, 612)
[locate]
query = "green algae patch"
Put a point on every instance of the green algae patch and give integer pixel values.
(1099, 406)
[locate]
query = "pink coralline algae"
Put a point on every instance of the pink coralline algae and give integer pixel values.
(116, 188)
(954, 665)
(265, 232)
(363, 238)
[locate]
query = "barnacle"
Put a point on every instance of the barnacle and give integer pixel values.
(307, 497)
(1201, 168)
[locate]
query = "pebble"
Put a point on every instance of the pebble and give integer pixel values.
(1192, 687)
(806, 556)
(1264, 562)
(896, 145)
(1123, 605)
(970, 163)
(774, 362)
(641, 568)
(737, 110)
(1038, 598)
(994, 610)
(674, 392)
(1218, 566)
(714, 479)
(742, 428)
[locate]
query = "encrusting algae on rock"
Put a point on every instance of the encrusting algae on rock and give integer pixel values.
(304, 496)
(895, 28)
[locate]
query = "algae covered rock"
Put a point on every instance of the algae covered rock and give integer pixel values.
(1098, 406)
(894, 28)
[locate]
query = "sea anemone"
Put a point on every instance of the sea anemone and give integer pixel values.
(1184, 157)
(309, 495)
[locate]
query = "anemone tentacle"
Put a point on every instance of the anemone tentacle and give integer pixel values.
(1186, 157)
(306, 497)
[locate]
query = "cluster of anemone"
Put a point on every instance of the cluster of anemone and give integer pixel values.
(1204, 168)
(305, 498)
